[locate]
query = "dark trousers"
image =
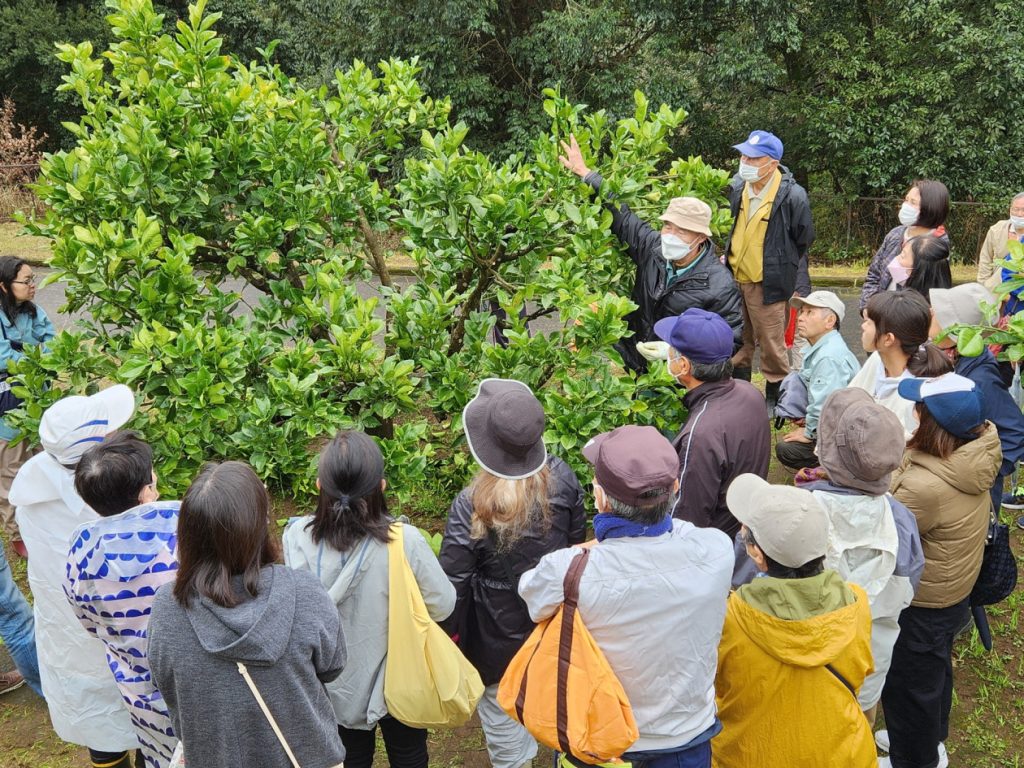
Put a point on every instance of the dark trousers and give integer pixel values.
(114, 759)
(406, 747)
(918, 690)
(796, 455)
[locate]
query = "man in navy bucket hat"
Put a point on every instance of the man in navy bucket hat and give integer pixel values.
(767, 253)
(726, 431)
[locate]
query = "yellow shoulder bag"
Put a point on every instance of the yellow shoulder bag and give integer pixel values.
(428, 683)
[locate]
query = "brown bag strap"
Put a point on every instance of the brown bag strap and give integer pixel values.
(571, 592)
(571, 589)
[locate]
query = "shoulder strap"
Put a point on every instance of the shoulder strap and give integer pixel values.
(571, 588)
(266, 713)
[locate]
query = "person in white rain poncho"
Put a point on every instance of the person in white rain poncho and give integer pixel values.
(85, 704)
(873, 540)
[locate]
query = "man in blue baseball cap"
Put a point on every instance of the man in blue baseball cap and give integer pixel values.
(726, 432)
(767, 253)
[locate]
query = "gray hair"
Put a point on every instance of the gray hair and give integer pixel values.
(646, 515)
(710, 372)
(1018, 196)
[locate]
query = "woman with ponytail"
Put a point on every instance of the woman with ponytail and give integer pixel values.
(344, 544)
(521, 505)
(895, 333)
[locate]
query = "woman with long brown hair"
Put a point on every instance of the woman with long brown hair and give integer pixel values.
(521, 505)
(233, 608)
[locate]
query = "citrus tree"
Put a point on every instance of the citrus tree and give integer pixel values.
(229, 235)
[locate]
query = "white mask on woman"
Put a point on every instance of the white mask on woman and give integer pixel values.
(908, 214)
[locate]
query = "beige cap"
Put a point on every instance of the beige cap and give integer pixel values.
(790, 526)
(960, 304)
(690, 214)
(823, 299)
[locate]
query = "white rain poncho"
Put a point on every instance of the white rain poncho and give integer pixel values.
(85, 704)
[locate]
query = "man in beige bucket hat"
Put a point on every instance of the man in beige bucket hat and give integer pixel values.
(676, 267)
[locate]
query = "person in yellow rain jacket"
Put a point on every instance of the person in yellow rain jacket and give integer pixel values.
(796, 645)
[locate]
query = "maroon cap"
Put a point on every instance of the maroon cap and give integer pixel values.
(630, 462)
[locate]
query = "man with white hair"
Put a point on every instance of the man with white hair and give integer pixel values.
(994, 248)
(828, 365)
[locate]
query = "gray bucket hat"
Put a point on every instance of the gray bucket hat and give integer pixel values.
(504, 426)
(860, 442)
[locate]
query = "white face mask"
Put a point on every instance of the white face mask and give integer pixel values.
(673, 248)
(908, 215)
(1017, 222)
(749, 173)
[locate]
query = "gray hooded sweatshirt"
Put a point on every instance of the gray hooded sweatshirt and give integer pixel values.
(290, 639)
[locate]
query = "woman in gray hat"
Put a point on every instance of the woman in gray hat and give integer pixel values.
(873, 539)
(521, 505)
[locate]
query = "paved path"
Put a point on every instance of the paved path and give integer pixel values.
(51, 299)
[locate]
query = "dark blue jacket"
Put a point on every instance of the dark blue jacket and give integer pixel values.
(998, 406)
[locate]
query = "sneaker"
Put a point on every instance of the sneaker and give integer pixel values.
(882, 742)
(1020, 522)
(11, 681)
(1013, 501)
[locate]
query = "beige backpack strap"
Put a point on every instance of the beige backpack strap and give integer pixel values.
(266, 713)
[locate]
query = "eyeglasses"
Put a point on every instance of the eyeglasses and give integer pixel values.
(26, 281)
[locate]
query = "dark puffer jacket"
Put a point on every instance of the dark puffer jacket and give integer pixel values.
(708, 285)
(490, 617)
(789, 237)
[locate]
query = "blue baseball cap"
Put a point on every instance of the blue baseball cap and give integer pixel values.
(697, 334)
(952, 400)
(761, 144)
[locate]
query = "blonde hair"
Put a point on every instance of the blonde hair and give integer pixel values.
(509, 507)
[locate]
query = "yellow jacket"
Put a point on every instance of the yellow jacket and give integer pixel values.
(779, 704)
(746, 247)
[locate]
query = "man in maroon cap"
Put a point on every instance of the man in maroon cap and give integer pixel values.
(652, 594)
(726, 432)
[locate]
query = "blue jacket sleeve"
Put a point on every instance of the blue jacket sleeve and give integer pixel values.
(1004, 413)
(828, 376)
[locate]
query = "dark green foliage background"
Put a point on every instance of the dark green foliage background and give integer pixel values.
(866, 95)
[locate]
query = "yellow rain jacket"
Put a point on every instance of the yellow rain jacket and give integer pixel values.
(780, 705)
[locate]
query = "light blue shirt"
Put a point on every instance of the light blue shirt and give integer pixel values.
(828, 365)
(28, 329)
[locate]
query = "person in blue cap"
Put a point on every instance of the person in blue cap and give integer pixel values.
(726, 433)
(767, 253)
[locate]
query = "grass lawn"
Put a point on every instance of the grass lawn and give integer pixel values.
(34, 249)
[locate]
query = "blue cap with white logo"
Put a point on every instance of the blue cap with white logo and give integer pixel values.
(761, 144)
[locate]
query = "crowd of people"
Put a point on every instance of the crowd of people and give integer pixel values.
(748, 623)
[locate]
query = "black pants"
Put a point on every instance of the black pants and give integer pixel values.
(918, 690)
(796, 455)
(114, 759)
(406, 747)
